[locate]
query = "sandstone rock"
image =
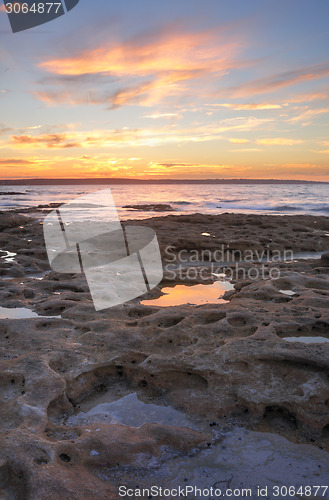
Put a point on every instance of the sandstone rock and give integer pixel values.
(220, 365)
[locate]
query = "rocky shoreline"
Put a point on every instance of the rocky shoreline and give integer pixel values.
(223, 366)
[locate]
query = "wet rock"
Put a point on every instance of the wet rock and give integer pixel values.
(325, 258)
(156, 207)
(218, 364)
(11, 193)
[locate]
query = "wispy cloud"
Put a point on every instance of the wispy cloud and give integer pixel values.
(251, 106)
(15, 161)
(308, 114)
(308, 97)
(46, 140)
(278, 141)
(155, 116)
(174, 164)
(5, 130)
(153, 67)
(170, 52)
(281, 80)
(114, 138)
(134, 137)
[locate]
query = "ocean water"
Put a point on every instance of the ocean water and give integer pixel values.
(184, 198)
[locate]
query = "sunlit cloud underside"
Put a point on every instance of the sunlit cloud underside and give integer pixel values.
(199, 98)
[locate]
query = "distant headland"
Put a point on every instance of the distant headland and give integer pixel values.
(118, 180)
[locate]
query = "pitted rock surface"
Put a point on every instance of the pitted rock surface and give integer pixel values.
(220, 364)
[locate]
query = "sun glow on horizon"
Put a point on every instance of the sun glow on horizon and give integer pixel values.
(203, 98)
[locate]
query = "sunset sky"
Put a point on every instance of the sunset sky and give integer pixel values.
(175, 89)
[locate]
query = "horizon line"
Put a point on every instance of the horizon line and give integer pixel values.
(124, 180)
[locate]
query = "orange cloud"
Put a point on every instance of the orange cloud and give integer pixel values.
(15, 161)
(60, 166)
(173, 164)
(114, 138)
(163, 67)
(170, 53)
(151, 93)
(249, 106)
(279, 141)
(48, 140)
(133, 137)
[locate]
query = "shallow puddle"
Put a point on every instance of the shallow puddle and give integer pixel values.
(288, 292)
(308, 255)
(128, 410)
(38, 276)
(9, 256)
(20, 313)
(307, 340)
(191, 294)
(243, 460)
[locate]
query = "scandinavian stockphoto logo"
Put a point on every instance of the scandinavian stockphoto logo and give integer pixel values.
(120, 262)
(27, 14)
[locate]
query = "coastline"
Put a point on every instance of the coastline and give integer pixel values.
(127, 180)
(224, 366)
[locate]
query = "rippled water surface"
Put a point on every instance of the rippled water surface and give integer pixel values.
(185, 198)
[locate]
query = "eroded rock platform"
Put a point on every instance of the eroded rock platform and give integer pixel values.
(221, 366)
